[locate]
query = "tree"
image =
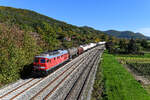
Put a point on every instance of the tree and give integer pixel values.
(110, 46)
(123, 45)
(132, 47)
(144, 43)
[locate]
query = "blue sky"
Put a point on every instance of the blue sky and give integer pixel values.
(120, 15)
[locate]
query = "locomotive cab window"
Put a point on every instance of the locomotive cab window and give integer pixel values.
(42, 60)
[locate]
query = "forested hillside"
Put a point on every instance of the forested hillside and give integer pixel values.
(50, 30)
(126, 34)
(24, 33)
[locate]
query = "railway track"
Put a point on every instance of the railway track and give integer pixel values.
(83, 94)
(49, 94)
(76, 90)
(64, 88)
(87, 87)
(34, 88)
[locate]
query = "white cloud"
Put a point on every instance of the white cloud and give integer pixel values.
(145, 31)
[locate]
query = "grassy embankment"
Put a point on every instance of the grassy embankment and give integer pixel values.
(117, 82)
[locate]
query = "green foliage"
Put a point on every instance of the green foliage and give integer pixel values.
(144, 43)
(124, 47)
(132, 47)
(17, 50)
(110, 47)
(118, 83)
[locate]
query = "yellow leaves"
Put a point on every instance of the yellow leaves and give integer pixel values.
(97, 40)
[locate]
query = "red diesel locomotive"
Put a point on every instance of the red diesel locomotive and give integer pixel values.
(48, 60)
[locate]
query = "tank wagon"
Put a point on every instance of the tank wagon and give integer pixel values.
(46, 61)
(101, 43)
(80, 50)
(85, 47)
(73, 52)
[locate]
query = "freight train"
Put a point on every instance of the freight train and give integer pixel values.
(46, 61)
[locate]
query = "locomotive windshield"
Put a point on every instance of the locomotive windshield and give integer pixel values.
(42, 60)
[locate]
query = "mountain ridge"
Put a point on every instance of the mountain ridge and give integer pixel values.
(126, 34)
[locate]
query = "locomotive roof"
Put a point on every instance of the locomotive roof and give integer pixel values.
(52, 54)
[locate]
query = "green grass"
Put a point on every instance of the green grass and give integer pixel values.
(119, 84)
(147, 87)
